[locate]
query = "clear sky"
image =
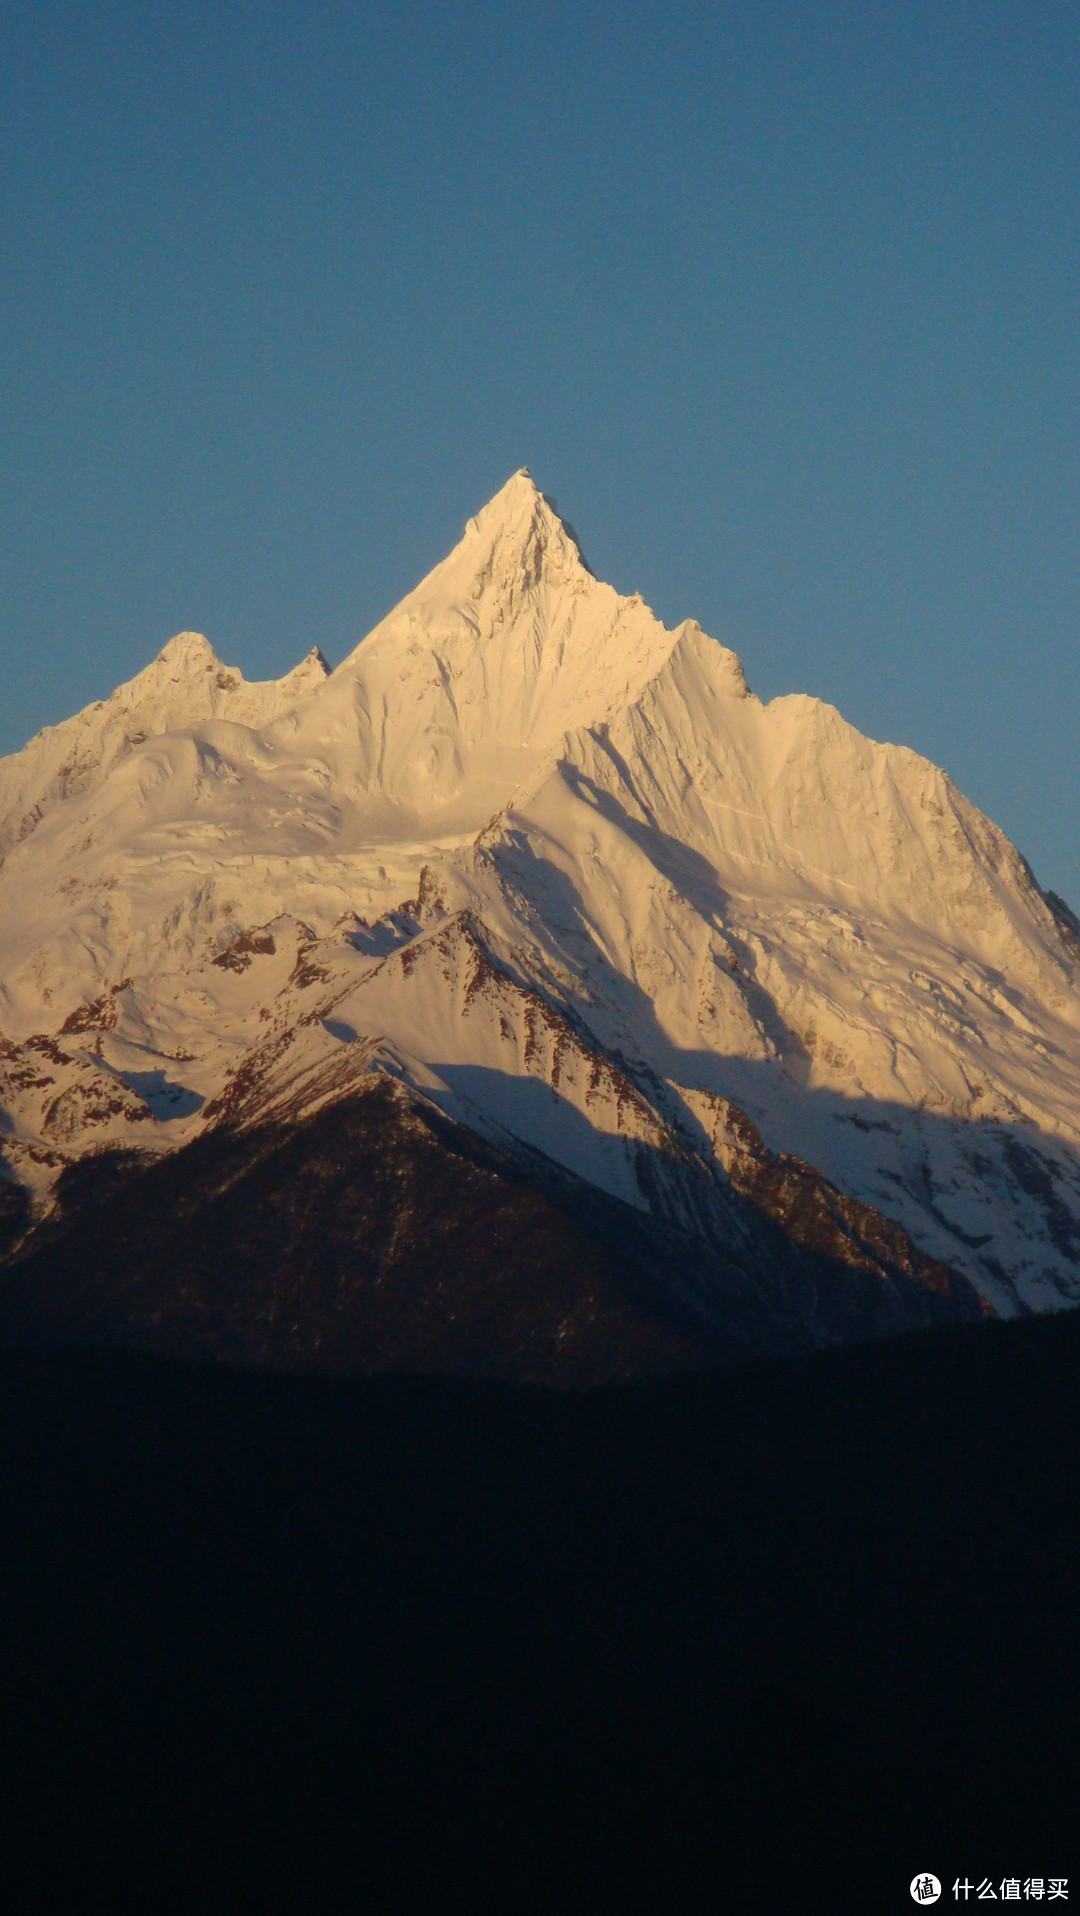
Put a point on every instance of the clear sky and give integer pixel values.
(778, 300)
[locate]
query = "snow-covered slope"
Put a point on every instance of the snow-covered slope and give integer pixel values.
(186, 683)
(722, 938)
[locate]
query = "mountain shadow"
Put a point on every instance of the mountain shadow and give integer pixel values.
(936, 1163)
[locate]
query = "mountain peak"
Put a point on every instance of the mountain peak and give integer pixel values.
(186, 685)
(523, 523)
(190, 651)
(520, 494)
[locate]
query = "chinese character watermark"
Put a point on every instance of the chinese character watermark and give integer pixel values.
(1033, 1889)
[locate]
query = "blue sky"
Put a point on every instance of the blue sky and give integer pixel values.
(778, 300)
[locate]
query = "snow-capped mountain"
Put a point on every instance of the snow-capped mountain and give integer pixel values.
(186, 683)
(554, 871)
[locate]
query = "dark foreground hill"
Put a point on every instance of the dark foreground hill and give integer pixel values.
(375, 1234)
(773, 1637)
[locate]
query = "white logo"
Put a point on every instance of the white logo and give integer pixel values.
(925, 1889)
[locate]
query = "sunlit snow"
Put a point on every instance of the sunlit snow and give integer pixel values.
(674, 898)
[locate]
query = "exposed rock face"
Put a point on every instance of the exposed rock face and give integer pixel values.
(776, 993)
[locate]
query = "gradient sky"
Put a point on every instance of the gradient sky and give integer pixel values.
(778, 300)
